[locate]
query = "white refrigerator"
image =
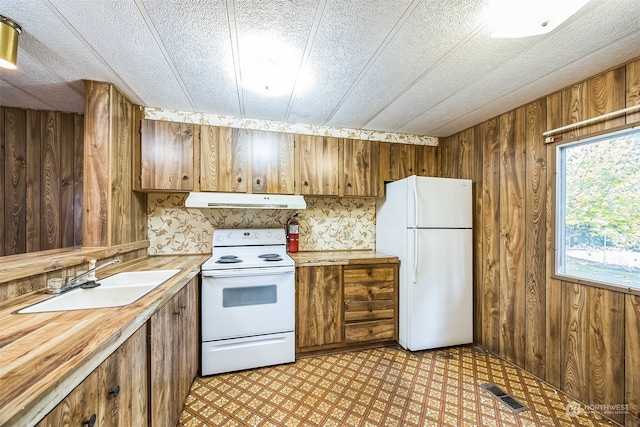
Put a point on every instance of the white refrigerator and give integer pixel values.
(427, 223)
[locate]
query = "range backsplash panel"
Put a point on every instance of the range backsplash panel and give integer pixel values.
(326, 224)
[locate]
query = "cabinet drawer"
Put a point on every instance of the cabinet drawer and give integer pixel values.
(369, 274)
(369, 331)
(368, 310)
(368, 292)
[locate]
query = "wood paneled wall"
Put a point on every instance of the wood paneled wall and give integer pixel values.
(582, 339)
(114, 214)
(41, 176)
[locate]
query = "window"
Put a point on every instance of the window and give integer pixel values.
(598, 209)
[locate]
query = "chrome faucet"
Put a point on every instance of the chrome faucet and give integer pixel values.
(76, 281)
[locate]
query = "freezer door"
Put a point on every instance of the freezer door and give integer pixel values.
(439, 202)
(439, 290)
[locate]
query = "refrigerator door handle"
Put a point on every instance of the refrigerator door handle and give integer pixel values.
(416, 210)
(416, 255)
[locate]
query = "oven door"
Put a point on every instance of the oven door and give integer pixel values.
(249, 302)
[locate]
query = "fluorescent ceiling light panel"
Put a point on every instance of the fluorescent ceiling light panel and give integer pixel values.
(524, 18)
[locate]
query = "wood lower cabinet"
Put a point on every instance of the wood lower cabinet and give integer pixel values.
(370, 303)
(114, 394)
(346, 306)
(153, 370)
(173, 347)
(318, 307)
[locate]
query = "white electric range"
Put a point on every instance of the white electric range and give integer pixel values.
(247, 301)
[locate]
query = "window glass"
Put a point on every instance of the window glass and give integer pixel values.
(598, 209)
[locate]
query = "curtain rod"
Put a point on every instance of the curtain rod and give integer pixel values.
(588, 121)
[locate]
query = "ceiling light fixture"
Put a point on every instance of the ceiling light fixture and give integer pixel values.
(269, 66)
(9, 32)
(524, 18)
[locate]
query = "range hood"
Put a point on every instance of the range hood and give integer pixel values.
(244, 201)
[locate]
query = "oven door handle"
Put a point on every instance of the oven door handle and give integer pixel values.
(246, 272)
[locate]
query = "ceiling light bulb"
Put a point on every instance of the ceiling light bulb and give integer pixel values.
(524, 18)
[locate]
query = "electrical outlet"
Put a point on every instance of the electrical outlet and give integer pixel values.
(198, 237)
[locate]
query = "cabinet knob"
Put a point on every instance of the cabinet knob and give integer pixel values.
(348, 184)
(115, 391)
(185, 177)
(258, 181)
(91, 421)
(306, 183)
(239, 179)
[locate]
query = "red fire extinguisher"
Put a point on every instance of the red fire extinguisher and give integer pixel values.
(293, 233)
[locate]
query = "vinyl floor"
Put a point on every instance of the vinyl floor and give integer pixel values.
(382, 387)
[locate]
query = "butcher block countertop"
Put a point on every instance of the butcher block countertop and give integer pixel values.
(44, 356)
(319, 258)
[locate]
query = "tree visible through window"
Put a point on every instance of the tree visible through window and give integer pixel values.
(598, 209)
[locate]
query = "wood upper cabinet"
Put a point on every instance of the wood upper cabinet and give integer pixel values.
(166, 152)
(173, 355)
(425, 160)
(243, 160)
(224, 159)
(402, 161)
(114, 394)
(318, 307)
(360, 168)
(272, 167)
(318, 168)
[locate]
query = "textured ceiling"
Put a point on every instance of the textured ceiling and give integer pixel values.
(419, 67)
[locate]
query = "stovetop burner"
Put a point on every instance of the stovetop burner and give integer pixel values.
(275, 258)
(228, 259)
(269, 256)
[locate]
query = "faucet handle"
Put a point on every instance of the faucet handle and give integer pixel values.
(92, 274)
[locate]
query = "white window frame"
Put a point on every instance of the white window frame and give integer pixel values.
(559, 219)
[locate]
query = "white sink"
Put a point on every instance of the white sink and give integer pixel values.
(114, 291)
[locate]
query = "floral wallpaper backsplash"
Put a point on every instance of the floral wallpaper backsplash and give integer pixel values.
(287, 127)
(326, 224)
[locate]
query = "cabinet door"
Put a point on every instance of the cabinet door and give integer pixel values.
(123, 387)
(79, 408)
(164, 360)
(167, 155)
(189, 339)
(114, 394)
(174, 354)
(272, 162)
(319, 163)
(425, 160)
(360, 165)
(224, 159)
(319, 311)
(402, 159)
(384, 166)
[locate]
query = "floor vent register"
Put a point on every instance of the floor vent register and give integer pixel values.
(503, 397)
